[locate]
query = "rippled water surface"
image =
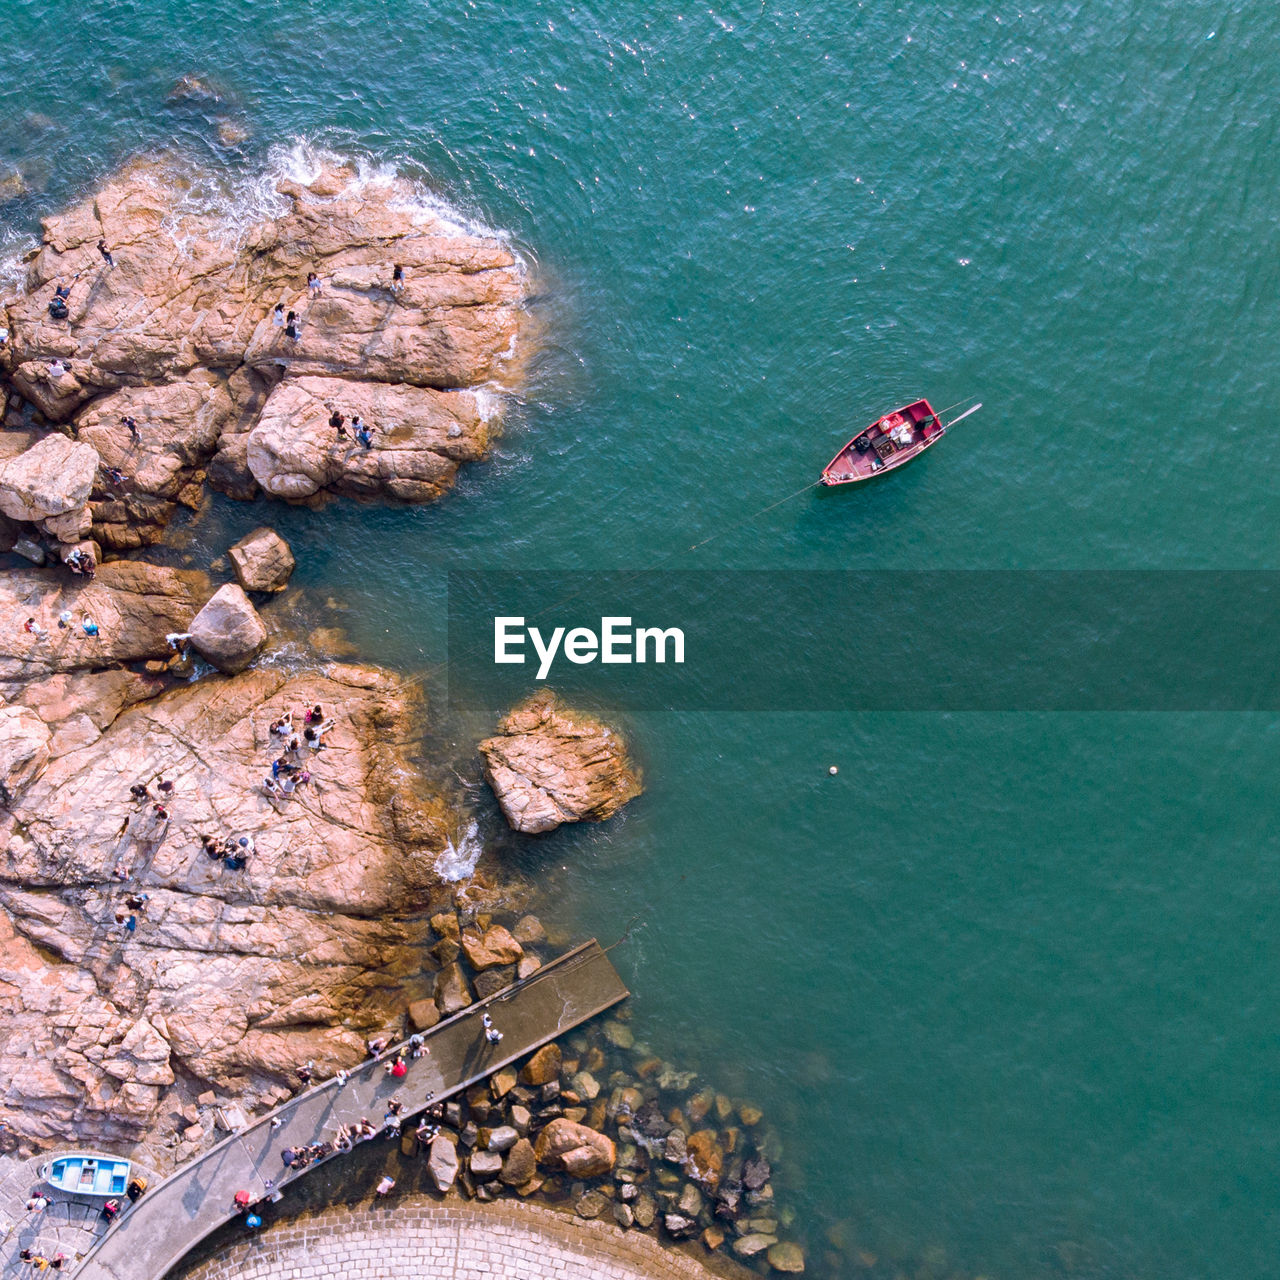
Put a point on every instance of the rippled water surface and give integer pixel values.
(1007, 983)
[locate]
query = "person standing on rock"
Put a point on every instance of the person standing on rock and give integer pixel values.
(397, 279)
(277, 315)
(365, 436)
(106, 253)
(90, 627)
(134, 434)
(313, 283)
(33, 628)
(337, 422)
(291, 326)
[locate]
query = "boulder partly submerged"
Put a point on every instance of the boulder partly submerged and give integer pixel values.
(178, 338)
(550, 765)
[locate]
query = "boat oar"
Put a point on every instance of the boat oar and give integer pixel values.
(963, 416)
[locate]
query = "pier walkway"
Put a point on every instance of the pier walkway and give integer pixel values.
(199, 1197)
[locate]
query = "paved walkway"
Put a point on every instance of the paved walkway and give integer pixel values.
(70, 1224)
(454, 1241)
(200, 1196)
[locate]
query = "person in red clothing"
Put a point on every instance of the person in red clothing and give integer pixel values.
(398, 1068)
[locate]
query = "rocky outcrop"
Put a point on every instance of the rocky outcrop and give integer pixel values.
(231, 976)
(133, 605)
(551, 765)
(419, 439)
(262, 561)
(166, 360)
(48, 484)
(228, 630)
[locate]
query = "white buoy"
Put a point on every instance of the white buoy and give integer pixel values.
(833, 771)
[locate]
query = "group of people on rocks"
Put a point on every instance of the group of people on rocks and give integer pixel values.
(362, 431)
(288, 770)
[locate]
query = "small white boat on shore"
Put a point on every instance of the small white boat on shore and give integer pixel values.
(87, 1173)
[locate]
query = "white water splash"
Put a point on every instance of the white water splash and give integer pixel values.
(457, 862)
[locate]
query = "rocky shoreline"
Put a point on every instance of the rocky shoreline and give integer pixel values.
(196, 897)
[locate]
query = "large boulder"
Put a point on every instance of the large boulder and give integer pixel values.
(52, 478)
(575, 1149)
(704, 1159)
(552, 765)
(262, 561)
(228, 631)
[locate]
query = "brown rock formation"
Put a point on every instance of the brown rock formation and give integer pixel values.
(233, 976)
(579, 1151)
(178, 336)
(135, 606)
(262, 561)
(552, 765)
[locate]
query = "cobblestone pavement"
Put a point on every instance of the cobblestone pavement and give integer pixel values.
(417, 1236)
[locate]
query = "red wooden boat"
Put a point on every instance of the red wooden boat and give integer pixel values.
(889, 442)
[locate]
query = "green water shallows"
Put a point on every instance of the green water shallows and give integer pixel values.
(1005, 983)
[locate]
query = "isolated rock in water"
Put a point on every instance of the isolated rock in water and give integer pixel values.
(228, 630)
(579, 1151)
(52, 477)
(262, 561)
(232, 977)
(420, 438)
(134, 605)
(552, 765)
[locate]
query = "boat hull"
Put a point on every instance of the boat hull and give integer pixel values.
(886, 445)
(87, 1173)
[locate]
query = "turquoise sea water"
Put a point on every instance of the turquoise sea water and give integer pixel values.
(1006, 984)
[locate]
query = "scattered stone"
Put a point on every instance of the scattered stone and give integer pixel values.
(423, 1014)
(749, 1115)
(544, 1067)
(705, 1162)
(624, 1215)
(485, 1164)
(495, 947)
(527, 966)
(646, 1210)
(618, 1034)
(520, 1164)
(691, 1201)
(520, 1119)
(749, 1246)
(586, 1086)
(575, 1149)
(452, 993)
(786, 1256)
(590, 1205)
(755, 1173)
(678, 1227)
(713, 1238)
(442, 1163)
(503, 1138)
(528, 930)
(502, 1082)
(262, 561)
